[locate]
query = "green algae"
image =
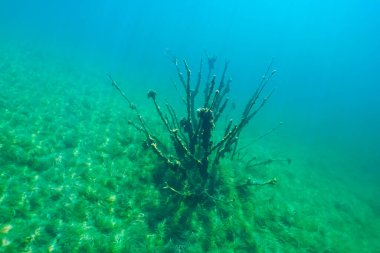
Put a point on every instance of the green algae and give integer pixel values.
(74, 179)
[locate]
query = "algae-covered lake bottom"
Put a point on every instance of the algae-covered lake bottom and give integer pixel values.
(74, 177)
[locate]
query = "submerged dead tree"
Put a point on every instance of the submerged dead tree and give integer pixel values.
(194, 152)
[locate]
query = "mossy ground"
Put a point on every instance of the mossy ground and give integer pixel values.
(75, 178)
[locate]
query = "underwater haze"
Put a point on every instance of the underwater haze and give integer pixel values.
(75, 175)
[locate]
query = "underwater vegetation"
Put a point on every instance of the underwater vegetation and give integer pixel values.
(189, 172)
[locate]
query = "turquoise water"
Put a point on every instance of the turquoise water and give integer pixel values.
(76, 177)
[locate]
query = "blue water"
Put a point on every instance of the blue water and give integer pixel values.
(326, 53)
